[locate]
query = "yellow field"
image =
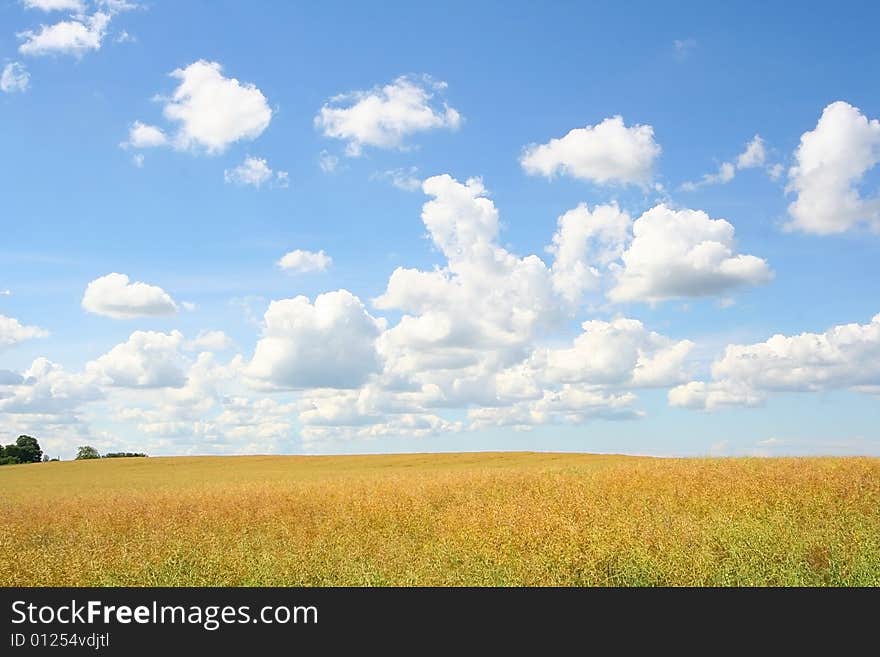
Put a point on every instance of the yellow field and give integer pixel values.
(455, 519)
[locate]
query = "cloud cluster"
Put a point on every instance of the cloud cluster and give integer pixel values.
(843, 357)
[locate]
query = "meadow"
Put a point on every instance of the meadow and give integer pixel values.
(441, 519)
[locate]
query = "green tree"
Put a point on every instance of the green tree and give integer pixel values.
(86, 452)
(28, 449)
(10, 455)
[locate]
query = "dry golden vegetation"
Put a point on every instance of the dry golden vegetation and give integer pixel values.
(454, 519)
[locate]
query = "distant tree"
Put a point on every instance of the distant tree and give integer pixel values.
(122, 455)
(10, 454)
(45, 458)
(84, 452)
(28, 449)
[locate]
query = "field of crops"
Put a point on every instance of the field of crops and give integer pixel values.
(445, 519)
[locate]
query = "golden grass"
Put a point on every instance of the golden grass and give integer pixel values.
(442, 519)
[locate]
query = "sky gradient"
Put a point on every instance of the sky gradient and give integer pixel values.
(266, 228)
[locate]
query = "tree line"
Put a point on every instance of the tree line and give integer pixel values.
(27, 450)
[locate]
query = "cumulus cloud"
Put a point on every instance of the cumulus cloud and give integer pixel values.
(609, 152)
(14, 78)
(12, 332)
(301, 261)
(713, 395)
(210, 341)
(141, 135)
(843, 357)
(620, 352)
(148, 359)
(683, 253)
(255, 171)
(215, 111)
(75, 37)
(45, 389)
(830, 163)
(115, 296)
(330, 343)
(439, 328)
(568, 405)
(585, 243)
(383, 117)
(211, 112)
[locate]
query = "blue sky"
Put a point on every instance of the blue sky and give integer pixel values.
(188, 147)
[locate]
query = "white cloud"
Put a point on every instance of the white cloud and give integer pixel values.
(14, 78)
(115, 296)
(301, 261)
(830, 162)
(12, 332)
(73, 37)
(328, 162)
(142, 135)
(76, 6)
(619, 352)
(254, 171)
(439, 328)
(713, 395)
(213, 111)
(406, 179)
(421, 425)
(46, 390)
(148, 359)
(754, 155)
(585, 243)
(330, 343)
(609, 152)
(210, 341)
(138, 160)
(683, 253)
(843, 357)
(385, 116)
(683, 47)
(568, 405)
(442, 354)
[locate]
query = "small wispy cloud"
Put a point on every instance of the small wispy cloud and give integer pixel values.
(683, 47)
(405, 178)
